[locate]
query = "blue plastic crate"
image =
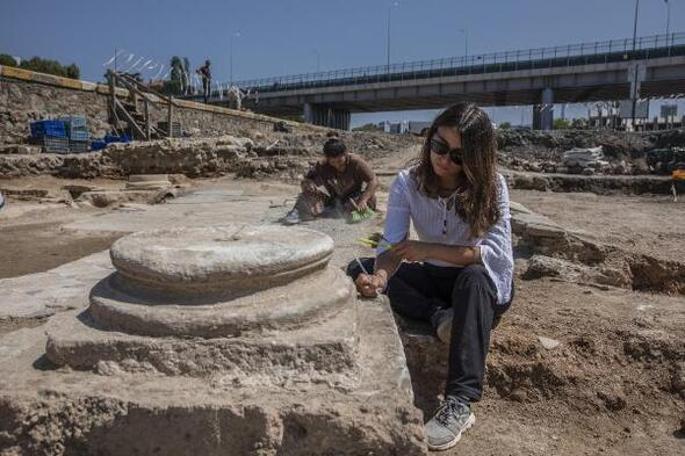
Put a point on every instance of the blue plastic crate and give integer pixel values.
(74, 121)
(54, 145)
(98, 144)
(79, 147)
(114, 138)
(76, 127)
(52, 128)
(79, 135)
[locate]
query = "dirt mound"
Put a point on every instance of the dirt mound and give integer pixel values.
(624, 153)
(273, 152)
(578, 258)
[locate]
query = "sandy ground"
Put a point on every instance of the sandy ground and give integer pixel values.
(607, 389)
(32, 232)
(651, 225)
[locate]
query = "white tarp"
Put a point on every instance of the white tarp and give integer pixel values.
(584, 157)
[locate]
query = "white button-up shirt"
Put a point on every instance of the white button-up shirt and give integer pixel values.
(436, 221)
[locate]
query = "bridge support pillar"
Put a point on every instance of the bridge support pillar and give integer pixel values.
(543, 113)
(327, 116)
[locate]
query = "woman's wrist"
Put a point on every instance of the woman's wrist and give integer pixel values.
(383, 276)
(429, 250)
(477, 259)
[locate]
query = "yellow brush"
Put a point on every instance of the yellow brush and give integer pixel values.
(374, 240)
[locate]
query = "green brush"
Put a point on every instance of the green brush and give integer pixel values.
(358, 216)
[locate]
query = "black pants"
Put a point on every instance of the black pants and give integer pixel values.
(418, 290)
(206, 88)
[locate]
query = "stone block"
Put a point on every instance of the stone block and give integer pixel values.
(240, 337)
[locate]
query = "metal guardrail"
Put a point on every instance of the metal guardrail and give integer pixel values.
(569, 55)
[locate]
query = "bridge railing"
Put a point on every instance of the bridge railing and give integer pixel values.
(573, 54)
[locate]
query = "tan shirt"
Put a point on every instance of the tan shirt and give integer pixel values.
(342, 184)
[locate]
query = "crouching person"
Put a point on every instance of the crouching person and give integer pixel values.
(458, 274)
(340, 182)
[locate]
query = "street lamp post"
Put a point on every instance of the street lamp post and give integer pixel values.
(635, 82)
(318, 60)
(466, 42)
(233, 35)
(668, 18)
(637, 9)
(394, 4)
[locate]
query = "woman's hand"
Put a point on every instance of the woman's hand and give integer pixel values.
(412, 250)
(369, 285)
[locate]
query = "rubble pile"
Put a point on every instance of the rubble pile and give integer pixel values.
(623, 153)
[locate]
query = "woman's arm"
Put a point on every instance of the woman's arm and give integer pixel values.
(493, 250)
(496, 247)
(457, 255)
(395, 230)
(385, 266)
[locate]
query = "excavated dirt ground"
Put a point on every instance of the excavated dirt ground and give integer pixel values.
(650, 225)
(615, 384)
(30, 226)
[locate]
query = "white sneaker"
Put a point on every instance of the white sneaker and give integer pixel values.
(451, 419)
(293, 218)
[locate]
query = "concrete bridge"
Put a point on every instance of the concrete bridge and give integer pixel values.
(651, 66)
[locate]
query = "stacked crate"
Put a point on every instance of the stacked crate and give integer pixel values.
(77, 132)
(51, 135)
(175, 128)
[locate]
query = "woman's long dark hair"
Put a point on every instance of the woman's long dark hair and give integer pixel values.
(477, 201)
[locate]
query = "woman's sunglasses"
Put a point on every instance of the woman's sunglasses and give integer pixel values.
(442, 148)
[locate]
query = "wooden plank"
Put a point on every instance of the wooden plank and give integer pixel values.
(113, 97)
(170, 116)
(129, 119)
(148, 130)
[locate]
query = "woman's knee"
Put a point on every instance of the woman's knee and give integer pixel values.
(474, 275)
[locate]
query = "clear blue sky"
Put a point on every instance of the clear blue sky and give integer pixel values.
(283, 37)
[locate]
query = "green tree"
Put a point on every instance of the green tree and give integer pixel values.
(561, 124)
(368, 127)
(579, 124)
(505, 125)
(73, 71)
(174, 86)
(7, 60)
(51, 67)
(186, 75)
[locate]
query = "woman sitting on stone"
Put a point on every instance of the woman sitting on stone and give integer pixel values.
(458, 274)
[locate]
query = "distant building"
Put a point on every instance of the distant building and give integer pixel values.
(413, 127)
(418, 128)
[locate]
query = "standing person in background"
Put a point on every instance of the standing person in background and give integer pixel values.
(678, 180)
(458, 275)
(206, 75)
